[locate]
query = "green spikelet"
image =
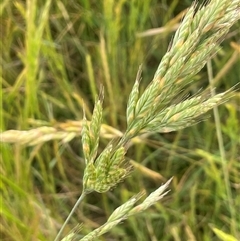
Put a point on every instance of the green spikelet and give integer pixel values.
(95, 125)
(116, 176)
(102, 163)
(102, 186)
(116, 160)
(133, 98)
(86, 140)
(184, 29)
(89, 178)
(91, 132)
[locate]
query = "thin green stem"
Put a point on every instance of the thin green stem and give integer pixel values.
(221, 148)
(70, 215)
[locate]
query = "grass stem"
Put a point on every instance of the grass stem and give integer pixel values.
(222, 151)
(70, 215)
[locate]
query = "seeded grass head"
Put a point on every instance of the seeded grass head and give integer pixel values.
(195, 42)
(156, 110)
(109, 168)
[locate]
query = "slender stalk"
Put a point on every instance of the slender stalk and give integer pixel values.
(70, 215)
(221, 149)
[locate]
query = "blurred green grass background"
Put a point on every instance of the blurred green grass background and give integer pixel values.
(54, 56)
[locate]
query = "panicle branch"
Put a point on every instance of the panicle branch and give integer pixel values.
(195, 42)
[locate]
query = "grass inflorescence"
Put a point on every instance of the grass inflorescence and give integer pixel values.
(55, 55)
